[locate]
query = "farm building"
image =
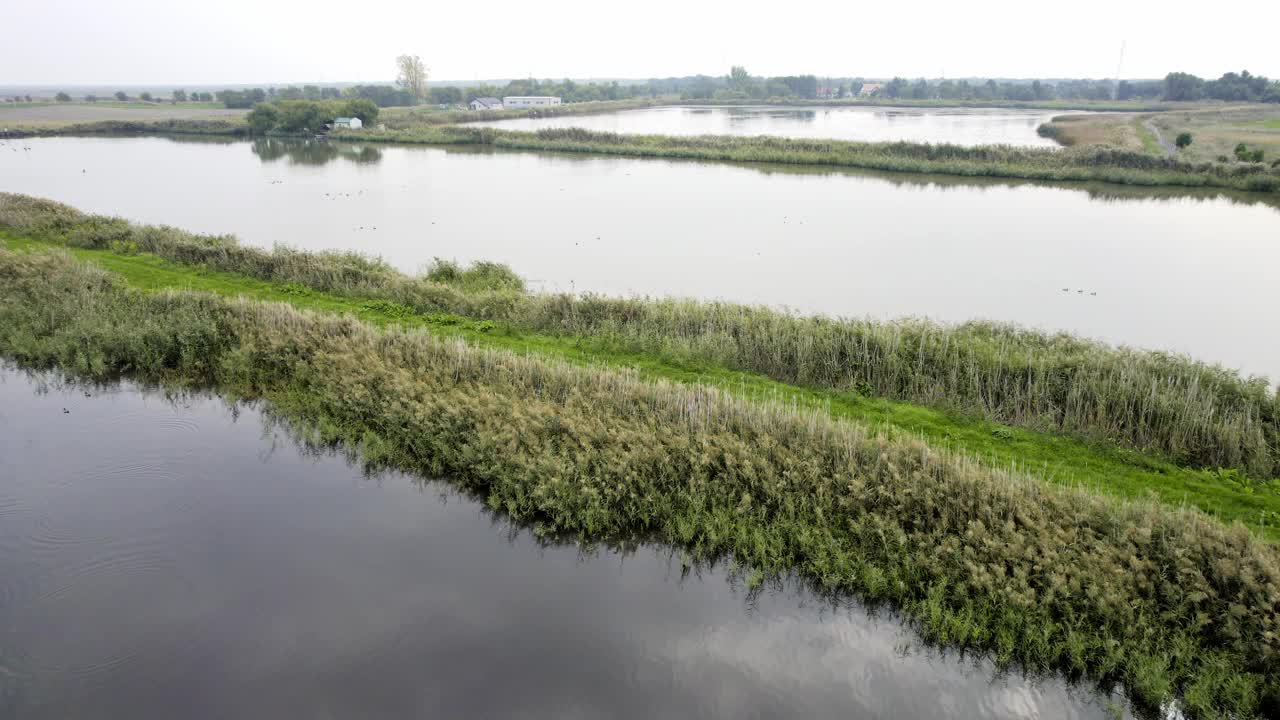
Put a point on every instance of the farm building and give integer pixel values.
(351, 123)
(870, 89)
(519, 101)
(486, 103)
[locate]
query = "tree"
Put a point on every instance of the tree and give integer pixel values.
(121, 96)
(91, 98)
(179, 95)
(364, 109)
(1183, 140)
(413, 76)
(263, 117)
(145, 97)
(739, 78)
(242, 98)
(441, 96)
(62, 97)
(1244, 154)
(296, 115)
(388, 96)
(1183, 86)
(897, 87)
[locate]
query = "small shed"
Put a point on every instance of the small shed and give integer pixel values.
(486, 103)
(348, 123)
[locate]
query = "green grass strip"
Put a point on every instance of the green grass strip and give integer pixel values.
(1058, 459)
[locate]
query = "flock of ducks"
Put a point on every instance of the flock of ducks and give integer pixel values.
(1078, 292)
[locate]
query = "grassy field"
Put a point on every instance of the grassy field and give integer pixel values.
(1160, 599)
(1216, 130)
(61, 115)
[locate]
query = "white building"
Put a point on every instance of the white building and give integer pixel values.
(486, 103)
(523, 101)
(351, 123)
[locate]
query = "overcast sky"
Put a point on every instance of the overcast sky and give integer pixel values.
(279, 41)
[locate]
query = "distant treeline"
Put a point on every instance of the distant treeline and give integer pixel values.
(740, 85)
(1242, 87)
(379, 95)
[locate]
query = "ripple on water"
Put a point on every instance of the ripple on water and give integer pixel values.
(130, 643)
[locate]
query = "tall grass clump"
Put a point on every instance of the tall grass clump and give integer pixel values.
(1165, 601)
(1197, 414)
(480, 276)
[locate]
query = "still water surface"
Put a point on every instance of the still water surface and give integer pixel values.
(172, 558)
(959, 126)
(1189, 271)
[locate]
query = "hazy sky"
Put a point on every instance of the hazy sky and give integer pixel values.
(243, 41)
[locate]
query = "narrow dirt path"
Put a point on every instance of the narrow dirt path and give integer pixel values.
(1169, 149)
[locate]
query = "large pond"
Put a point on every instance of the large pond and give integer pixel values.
(960, 126)
(170, 557)
(1179, 270)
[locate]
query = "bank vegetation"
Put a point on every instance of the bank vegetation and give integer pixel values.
(1167, 602)
(1196, 414)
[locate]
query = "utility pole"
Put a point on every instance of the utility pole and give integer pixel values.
(1115, 91)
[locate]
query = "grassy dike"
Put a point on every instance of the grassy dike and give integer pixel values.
(1060, 460)
(1193, 414)
(1077, 164)
(1165, 601)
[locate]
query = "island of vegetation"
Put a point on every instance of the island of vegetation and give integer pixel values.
(1058, 503)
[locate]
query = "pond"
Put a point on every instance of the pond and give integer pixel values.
(170, 556)
(958, 126)
(1183, 270)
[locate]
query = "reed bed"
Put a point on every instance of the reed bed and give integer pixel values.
(1085, 163)
(1197, 414)
(1165, 601)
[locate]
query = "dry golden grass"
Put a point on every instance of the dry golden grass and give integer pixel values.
(1116, 130)
(1216, 132)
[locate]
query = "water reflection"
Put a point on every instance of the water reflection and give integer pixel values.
(166, 555)
(746, 115)
(963, 126)
(314, 152)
